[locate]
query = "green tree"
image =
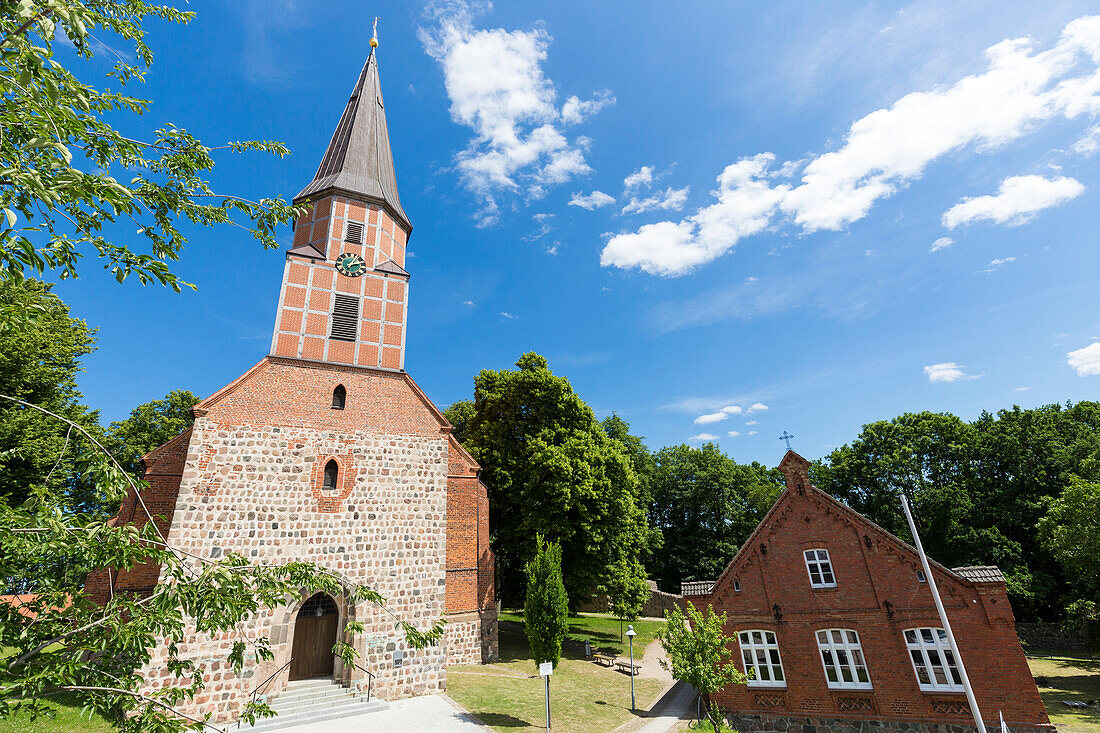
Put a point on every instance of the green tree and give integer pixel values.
(39, 363)
(1071, 531)
(641, 459)
(61, 151)
(700, 654)
(627, 592)
(546, 608)
(705, 505)
(459, 415)
(544, 456)
(150, 426)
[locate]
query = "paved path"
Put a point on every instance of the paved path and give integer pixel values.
(427, 712)
(683, 697)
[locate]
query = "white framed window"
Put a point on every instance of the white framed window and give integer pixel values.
(760, 653)
(842, 657)
(820, 569)
(933, 662)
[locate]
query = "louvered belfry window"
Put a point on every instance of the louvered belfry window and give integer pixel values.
(354, 232)
(345, 318)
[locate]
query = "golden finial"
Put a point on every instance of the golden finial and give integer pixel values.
(374, 37)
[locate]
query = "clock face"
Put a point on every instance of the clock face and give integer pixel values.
(350, 264)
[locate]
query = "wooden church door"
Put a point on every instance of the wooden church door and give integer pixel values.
(314, 637)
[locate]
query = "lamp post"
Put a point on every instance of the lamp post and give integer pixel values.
(630, 633)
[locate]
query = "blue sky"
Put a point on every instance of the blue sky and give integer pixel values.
(723, 219)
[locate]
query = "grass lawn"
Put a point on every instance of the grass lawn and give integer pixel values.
(602, 630)
(68, 720)
(1064, 678)
(584, 697)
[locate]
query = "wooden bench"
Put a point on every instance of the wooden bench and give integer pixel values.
(630, 669)
(603, 659)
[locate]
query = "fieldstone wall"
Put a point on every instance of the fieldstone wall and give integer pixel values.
(1044, 637)
(749, 723)
(256, 491)
(655, 606)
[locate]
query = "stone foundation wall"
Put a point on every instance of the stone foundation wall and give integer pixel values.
(751, 723)
(462, 639)
(655, 606)
(1044, 638)
(490, 636)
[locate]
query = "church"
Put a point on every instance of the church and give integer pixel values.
(327, 451)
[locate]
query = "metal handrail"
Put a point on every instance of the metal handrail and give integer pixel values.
(254, 693)
(370, 675)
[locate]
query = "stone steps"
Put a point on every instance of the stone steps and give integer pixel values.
(311, 701)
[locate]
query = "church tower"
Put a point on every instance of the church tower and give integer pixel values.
(327, 451)
(344, 296)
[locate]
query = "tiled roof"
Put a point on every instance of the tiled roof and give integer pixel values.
(696, 587)
(980, 573)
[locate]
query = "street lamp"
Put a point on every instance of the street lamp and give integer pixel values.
(630, 634)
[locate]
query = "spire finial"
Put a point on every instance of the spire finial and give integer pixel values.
(374, 34)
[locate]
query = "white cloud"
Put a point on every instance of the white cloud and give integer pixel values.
(1021, 389)
(1086, 361)
(752, 422)
(941, 243)
(591, 201)
(1089, 143)
(756, 407)
(719, 416)
(497, 87)
(641, 177)
(998, 262)
(882, 152)
(508, 316)
(704, 436)
(734, 434)
(947, 371)
(752, 432)
(468, 302)
(1018, 201)
(671, 199)
(575, 111)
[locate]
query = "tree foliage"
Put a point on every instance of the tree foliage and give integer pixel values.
(1071, 531)
(550, 468)
(700, 654)
(626, 590)
(459, 415)
(546, 608)
(705, 505)
(39, 363)
(150, 426)
(978, 489)
(68, 172)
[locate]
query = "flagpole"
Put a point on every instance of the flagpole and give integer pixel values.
(943, 618)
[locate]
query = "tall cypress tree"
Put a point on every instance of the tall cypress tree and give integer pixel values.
(546, 611)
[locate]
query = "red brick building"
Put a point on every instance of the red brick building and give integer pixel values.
(328, 451)
(836, 625)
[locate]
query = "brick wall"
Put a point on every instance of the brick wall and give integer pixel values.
(310, 281)
(878, 594)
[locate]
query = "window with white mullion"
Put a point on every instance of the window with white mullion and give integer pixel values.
(760, 655)
(842, 657)
(933, 662)
(820, 569)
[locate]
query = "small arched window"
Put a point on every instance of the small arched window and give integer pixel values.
(332, 472)
(339, 396)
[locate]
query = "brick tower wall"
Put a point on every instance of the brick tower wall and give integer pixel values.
(253, 484)
(309, 284)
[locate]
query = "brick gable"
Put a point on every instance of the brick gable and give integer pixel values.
(878, 595)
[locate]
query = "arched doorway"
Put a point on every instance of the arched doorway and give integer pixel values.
(314, 637)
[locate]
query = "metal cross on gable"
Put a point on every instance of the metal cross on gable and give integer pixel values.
(787, 438)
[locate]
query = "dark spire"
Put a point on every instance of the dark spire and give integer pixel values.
(358, 161)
